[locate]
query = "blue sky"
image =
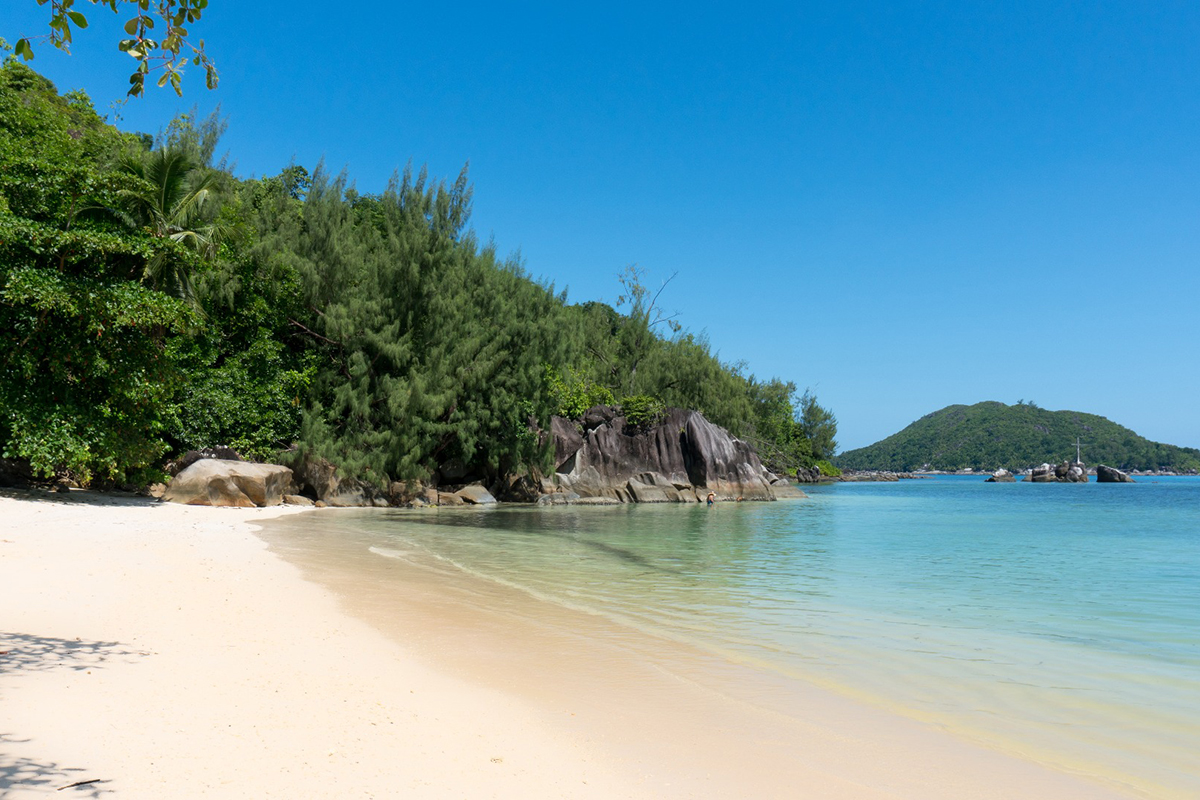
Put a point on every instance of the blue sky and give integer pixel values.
(898, 205)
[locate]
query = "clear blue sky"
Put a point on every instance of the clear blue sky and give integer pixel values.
(899, 205)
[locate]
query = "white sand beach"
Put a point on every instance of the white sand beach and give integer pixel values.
(152, 650)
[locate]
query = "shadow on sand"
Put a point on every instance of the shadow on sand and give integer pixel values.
(27, 775)
(24, 653)
(79, 497)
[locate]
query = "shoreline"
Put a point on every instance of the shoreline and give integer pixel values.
(164, 651)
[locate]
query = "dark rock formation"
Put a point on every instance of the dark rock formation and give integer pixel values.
(317, 479)
(1001, 476)
(680, 459)
(808, 475)
(1111, 475)
(1066, 472)
(216, 482)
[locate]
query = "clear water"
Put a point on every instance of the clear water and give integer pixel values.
(1058, 622)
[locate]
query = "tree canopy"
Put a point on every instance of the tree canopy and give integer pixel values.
(152, 302)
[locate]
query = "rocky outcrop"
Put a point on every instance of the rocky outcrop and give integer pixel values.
(1111, 475)
(1001, 476)
(317, 479)
(216, 482)
(476, 495)
(808, 475)
(1066, 472)
(680, 459)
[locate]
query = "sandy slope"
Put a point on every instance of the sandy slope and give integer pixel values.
(163, 652)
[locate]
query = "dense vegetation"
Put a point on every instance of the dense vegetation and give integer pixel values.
(151, 302)
(993, 435)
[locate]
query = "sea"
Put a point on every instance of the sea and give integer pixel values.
(1056, 622)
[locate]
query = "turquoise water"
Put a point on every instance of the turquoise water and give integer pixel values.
(1058, 622)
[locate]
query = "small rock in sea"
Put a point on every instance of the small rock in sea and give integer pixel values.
(1111, 475)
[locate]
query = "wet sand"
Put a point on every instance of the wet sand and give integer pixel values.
(164, 651)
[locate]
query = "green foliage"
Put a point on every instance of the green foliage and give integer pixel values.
(150, 302)
(642, 411)
(991, 435)
(574, 393)
(819, 426)
(168, 51)
(828, 469)
(84, 372)
(432, 350)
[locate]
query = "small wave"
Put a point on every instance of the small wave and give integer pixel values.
(386, 552)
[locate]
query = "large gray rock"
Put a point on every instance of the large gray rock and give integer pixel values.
(808, 474)
(1111, 475)
(215, 482)
(1041, 474)
(680, 459)
(476, 495)
(783, 489)
(1001, 476)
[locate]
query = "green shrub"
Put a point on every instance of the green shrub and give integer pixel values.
(642, 410)
(828, 470)
(574, 393)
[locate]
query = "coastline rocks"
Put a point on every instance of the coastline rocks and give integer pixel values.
(1041, 474)
(1111, 475)
(682, 458)
(241, 484)
(784, 489)
(1066, 472)
(476, 495)
(808, 475)
(317, 479)
(1001, 476)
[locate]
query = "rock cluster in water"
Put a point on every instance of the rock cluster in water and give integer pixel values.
(1066, 472)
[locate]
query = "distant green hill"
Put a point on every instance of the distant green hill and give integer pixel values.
(991, 435)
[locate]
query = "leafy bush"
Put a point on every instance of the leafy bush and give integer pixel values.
(642, 410)
(574, 393)
(827, 469)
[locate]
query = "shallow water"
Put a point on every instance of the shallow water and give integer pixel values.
(1056, 622)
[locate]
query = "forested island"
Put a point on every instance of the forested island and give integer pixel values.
(992, 435)
(152, 303)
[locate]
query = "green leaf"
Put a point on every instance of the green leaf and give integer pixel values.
(79, 19)
(131, 27)
(24, 50)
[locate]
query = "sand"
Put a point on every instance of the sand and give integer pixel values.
(155, 650)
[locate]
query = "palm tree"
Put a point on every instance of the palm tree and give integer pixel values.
(176, 200)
